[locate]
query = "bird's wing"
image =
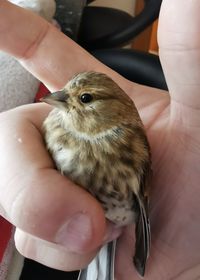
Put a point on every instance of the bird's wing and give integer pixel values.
(143, 237)
(142, 230)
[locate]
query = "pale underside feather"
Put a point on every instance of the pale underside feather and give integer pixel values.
(102, 266)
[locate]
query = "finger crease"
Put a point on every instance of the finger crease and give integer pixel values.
(33, 47)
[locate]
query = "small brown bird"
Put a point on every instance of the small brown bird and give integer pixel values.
(97, 139)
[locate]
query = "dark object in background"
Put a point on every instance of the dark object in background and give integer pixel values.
(103, 27)
(140, 67)
(35, 271)
(68, 14)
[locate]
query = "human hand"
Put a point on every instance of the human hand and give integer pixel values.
(173, 128)
(174, 134)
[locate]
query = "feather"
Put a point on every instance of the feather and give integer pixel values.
(102, 266)
(143, 238)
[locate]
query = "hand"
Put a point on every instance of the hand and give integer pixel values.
(173, 126)
(30, 186)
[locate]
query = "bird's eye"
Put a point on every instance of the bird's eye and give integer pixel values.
(86, 98)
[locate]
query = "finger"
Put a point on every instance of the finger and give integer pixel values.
(34, 196)
(180, 49)
(50, 254)
(54, 58)
(43, 50)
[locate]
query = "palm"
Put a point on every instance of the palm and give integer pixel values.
(174, 205)
(174, 134)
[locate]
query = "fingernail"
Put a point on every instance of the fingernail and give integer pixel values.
(112, 233)
(76, 233)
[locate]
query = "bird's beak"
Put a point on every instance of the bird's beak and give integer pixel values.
(57, 99)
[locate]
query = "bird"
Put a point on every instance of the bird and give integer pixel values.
(97, 139)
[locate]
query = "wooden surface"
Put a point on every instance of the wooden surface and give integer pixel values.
(147, 40)
(153, 42)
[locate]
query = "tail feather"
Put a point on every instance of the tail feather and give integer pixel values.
(143, 239)
(102, 266)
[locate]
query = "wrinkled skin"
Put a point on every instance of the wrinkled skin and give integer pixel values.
(29, 187)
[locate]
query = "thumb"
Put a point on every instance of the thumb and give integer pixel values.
(179, 46)
(59, 224)
(52, 208)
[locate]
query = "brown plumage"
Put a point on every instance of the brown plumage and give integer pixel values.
(97, 139)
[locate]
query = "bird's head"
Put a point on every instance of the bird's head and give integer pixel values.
(93, 102)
